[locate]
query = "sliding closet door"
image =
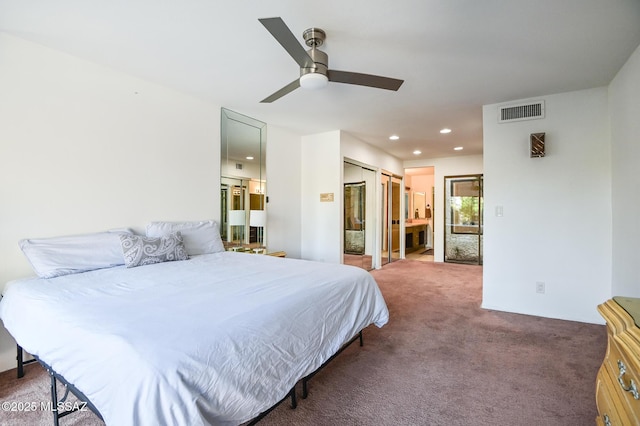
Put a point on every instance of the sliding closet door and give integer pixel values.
(391, 238)
(396, 217)
(354, 210)
(385, 254)
(359, 215)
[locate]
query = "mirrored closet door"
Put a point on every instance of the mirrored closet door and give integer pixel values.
(391, 238)
(359, 202)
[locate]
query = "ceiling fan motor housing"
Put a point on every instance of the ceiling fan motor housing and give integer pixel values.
(321, 61)
(314, 38)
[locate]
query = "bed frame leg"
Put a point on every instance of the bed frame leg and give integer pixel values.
(294, 401)
(54, 399)
(56, 404)
(20, 361)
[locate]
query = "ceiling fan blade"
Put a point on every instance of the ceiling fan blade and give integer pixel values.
(280, 93)
(285, 37)
(365, 79)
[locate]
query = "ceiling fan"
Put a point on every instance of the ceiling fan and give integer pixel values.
(314, 63)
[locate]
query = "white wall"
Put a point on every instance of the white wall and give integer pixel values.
(84, 149)
(284, 189)
(321, 166)
(624, 104)
(449, 166)
(556, 223)
(355, 149)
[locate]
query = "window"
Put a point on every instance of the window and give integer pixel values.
(465, 203)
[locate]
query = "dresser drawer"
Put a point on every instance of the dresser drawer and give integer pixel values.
(621, 367)
(608, 414)
(620, 370)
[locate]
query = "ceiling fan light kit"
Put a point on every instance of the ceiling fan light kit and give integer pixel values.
(313, 81)
(314, 63)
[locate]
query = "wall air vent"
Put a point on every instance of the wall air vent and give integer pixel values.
(238, 166)
(528, 111)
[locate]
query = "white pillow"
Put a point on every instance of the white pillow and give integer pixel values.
(72, 254)
(200, 237)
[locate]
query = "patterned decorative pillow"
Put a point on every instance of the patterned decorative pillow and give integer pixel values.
(140, 250)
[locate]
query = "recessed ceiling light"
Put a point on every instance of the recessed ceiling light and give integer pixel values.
(416, 152)
(249, 158)
(445, 130)
(394, 137)
(458, 148)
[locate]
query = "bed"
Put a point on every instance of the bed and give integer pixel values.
(216, 338)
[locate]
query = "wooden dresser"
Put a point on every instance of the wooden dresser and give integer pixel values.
(618, 380)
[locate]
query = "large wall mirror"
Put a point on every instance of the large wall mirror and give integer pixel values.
(243, 181)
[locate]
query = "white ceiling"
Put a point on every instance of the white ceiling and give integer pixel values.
(454, 55)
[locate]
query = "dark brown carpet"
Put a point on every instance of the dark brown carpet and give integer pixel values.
(441, 360)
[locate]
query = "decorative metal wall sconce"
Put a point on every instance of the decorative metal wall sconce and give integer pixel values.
(537, 145)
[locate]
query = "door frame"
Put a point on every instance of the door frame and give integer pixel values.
(447, 227)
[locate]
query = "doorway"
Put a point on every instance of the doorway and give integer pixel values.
(419, 213)
(463, 226)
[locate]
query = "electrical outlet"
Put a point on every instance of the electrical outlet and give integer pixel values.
(540, 287)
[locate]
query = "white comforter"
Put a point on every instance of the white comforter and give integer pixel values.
(215, 339)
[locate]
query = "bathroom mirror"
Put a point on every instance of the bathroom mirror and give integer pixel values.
(419, 205)
(243, 181)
